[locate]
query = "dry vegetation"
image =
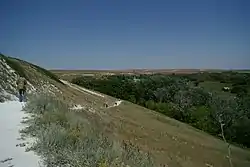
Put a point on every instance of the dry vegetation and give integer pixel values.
(65, 139)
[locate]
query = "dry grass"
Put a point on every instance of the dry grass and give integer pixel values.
(65, 139)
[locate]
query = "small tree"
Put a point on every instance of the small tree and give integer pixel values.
(224, 115)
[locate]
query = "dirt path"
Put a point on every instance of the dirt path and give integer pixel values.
(81, 89)
(12, 148)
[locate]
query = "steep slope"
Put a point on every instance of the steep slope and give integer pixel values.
(8, 78)
(171, 142)
(11, 68)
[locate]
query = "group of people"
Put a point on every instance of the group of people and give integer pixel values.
(22, 87)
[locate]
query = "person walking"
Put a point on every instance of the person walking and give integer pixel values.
(21, 86)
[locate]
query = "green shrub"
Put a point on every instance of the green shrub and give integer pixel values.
(240, 89)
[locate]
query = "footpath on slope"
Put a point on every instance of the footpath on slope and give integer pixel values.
(84, 90)
(81, 89)
(12, 152)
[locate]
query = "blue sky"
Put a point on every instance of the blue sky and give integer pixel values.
(116, 34)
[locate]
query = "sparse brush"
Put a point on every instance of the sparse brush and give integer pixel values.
(15, 65)
(40, 69)
(65, 139)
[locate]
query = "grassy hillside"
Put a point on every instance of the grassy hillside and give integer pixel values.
(16, 64)
(40, 69)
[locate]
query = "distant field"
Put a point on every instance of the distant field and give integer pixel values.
(129, 71)
(181, 71)
(70, 74)
(243, 71)
(215, 86)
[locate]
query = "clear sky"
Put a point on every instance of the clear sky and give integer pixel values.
(120, 34)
